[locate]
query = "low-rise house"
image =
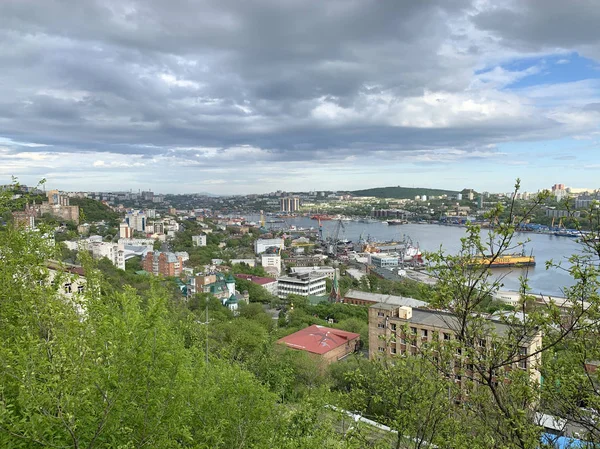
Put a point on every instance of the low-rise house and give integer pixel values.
(327, 344)
(268, 284)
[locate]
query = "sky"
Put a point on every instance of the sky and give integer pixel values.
(237, 97)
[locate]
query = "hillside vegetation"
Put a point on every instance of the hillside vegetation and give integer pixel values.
(401, 192)
(94, 210)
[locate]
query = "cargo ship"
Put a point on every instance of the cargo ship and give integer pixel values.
(504, 260)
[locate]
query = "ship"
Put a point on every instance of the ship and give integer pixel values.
(396, 222)
(504, 261)
(321, 217)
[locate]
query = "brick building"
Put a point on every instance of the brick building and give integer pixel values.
(165, 264)
(326, 343)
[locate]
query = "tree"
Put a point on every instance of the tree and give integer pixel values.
(503, 399)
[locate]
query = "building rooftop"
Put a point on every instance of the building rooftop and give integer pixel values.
(385, 299)
(256, 279)
(318, 339)
(442, 319)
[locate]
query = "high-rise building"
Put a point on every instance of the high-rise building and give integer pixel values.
(289, 204)
(136, 219)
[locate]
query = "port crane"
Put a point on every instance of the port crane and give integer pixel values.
(333, 241)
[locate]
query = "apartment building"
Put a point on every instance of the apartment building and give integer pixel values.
(162, 263)
(402, 330)
(303, 284)
(271, 262)
(261, 245)
(199, 240)
(136, 219)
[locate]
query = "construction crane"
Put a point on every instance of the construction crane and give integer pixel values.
(333, 242)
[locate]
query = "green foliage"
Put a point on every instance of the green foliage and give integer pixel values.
(92, 211)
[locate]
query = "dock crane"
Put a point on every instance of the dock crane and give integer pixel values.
(333, 242)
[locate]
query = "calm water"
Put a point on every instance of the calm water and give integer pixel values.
(431, 237)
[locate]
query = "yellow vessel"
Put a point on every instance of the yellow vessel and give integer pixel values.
(505, 260)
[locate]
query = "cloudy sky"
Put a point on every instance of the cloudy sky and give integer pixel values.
(248, 96)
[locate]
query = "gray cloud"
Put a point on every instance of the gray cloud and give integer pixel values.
(302, 80)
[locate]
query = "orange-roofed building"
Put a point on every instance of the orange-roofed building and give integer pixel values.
(326, 343)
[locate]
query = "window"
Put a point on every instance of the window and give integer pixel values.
(481, 343)
(393, 349)
(424, 333)
(381, 349)
(381, 325)
(393, 327)
(446, 336)
(379, 313)
(458, 351)
(413, 330)
(68, 288)
(80, 289)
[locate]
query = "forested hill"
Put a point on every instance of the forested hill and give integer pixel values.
(94, 210)
(401, 192)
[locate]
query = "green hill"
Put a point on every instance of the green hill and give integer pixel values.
(94, 210)
(401, 192)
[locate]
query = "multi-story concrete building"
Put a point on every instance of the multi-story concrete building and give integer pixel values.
(271, 262)
(136, 219)
(58, 206)
(328, 272)
(199, 240)
(305, 284)
(385, 260)
(162, 263)
(125, 232)
(261, 245)
(115, 252)
(289, 204)
(401, 330)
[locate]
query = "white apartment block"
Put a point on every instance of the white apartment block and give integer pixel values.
(115, 252)
(261, 245)
(125, 232)
(305, 284)
(199, 240)
(272, 261)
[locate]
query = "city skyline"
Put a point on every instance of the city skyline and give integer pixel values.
(231, 98)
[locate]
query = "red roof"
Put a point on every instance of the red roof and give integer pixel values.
(255, 279)
(318, 339)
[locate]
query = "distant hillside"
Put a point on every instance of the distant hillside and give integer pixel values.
(401, 192)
